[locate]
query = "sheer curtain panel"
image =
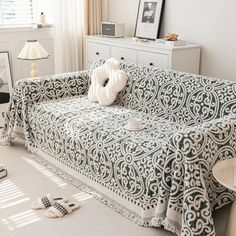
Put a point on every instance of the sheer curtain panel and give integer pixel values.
(73, 20)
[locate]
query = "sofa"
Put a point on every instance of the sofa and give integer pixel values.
(158, 177)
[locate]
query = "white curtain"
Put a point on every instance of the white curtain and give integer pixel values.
(69, 27)
(72, 20)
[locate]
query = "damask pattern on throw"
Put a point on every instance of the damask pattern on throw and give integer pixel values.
(165, 171)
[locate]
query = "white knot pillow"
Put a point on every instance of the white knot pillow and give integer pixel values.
(117, 79)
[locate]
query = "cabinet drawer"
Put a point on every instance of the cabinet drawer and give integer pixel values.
(97, 51)
(124, 54)
(153, 59)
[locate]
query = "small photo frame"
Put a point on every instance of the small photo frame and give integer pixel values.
(149, 19)
(5, 78)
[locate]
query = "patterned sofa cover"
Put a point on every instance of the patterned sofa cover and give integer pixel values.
(161, 176)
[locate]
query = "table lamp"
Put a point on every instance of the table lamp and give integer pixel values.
(33, 51)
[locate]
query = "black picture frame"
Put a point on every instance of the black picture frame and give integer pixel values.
(6, 82)
(149, 19)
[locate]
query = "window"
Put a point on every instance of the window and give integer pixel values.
(24, 12)
(16, 12)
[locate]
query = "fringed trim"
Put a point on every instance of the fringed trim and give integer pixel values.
(5, 140)
(153, 222)
(170, 227)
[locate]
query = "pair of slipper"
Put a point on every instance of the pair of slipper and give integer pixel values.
(58, 207)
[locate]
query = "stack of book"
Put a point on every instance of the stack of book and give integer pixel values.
(176, 43)
(3, 172)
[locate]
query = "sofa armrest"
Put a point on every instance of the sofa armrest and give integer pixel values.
(192, 153)
(53, 87)
(197, 141)
(35, 90)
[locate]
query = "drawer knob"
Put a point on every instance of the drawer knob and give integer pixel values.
(122, 58)
(151, 64)
(97, 53)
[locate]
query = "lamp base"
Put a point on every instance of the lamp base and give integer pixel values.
(34, 72)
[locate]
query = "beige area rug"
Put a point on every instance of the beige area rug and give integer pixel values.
(28, 180)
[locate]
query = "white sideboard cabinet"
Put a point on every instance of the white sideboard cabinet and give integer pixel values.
(181, 58)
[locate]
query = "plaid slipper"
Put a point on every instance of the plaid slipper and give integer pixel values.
(60, 208)
(46, 201)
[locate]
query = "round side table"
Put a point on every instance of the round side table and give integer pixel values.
(223, 171)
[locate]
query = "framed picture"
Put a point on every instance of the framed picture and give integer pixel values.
(5, 78)
(149, 18)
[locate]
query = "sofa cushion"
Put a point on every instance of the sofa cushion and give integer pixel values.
(92, 140)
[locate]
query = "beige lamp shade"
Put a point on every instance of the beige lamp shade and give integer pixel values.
(33, 50)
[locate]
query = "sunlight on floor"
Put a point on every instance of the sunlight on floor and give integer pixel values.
(21, 219)
(82, 196)
(10, 194)
(58, 181)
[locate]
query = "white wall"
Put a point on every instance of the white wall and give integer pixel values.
(210, 24)
(13, 40)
